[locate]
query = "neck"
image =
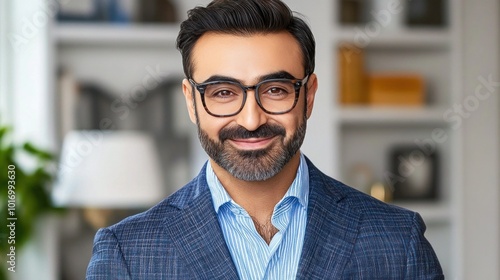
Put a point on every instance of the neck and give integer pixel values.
(258, 198)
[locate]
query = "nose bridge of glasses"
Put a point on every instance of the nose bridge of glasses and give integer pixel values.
(246, 100)
(249, 88)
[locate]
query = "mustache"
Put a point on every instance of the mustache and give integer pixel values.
(263, 131)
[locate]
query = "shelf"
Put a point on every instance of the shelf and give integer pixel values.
(431, 212)
(363, 115)
(110, 34)
(414, 38)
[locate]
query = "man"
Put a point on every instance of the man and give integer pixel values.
(259, 209)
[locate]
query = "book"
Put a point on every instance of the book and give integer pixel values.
(352, 78)
(396, 89)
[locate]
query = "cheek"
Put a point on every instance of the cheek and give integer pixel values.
(210, 125)
(290, 123)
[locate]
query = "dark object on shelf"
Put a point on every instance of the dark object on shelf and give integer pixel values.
(115, 12)
(81, 11)
(94, 105)
(93, 11)
(413, 173)
(157, 11)
(351, 12)
(426, 13)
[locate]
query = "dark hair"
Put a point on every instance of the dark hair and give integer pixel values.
(244, 17)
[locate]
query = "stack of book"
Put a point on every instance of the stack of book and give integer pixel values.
(357, 87)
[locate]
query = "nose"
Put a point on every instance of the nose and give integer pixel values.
(251, 116)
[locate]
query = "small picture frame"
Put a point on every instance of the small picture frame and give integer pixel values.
(413, 173)
(426, 13)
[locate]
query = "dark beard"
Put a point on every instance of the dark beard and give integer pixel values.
(255, 165)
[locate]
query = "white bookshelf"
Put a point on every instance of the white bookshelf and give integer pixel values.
(405, 38)
(364, 115)
(349, 134)
(116, 34)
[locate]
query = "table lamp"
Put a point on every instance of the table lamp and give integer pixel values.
(101, 171)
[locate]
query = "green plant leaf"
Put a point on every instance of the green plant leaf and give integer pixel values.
(40, 154)
(31, 188)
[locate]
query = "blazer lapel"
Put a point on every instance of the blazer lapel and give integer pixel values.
(331, 231)
(196, 233)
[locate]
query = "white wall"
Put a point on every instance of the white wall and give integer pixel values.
(31, 105)
(5, 114)
(31, 71)
(481, 213)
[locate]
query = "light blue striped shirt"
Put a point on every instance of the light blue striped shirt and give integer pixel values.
(252, 256)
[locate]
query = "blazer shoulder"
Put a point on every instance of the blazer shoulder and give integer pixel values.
(366, 206)
(159, 213)
(141, 246)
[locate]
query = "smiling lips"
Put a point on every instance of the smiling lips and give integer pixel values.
(252, 143)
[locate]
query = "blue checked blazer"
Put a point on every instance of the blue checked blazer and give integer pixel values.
(349, 235)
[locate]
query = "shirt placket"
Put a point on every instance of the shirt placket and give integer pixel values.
(257, 246)
(281, 220)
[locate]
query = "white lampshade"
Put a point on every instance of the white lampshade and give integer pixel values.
(108, 169)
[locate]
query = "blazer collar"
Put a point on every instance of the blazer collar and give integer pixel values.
(331, 230)
(195, 231)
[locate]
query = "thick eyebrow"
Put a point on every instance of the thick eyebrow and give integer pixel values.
(275, 75)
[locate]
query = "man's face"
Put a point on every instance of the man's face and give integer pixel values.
(252, 145)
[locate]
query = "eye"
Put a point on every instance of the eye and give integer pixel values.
(276, 91)
(222, 94)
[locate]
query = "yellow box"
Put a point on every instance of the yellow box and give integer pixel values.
(396, 89)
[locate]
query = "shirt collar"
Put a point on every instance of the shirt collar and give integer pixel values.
(299, 187)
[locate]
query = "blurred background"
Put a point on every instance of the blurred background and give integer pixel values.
(93, 119)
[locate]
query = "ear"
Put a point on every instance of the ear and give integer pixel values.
(189, 96)
(312, 87)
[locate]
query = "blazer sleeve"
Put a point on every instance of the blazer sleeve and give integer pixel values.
(422, 262)
(107, 260)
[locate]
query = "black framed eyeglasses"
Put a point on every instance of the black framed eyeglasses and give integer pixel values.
(227, 98)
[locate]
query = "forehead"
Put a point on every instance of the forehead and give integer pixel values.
(246, 57)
